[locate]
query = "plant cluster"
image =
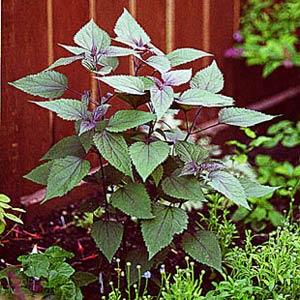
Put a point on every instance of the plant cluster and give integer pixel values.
(4, 215)
(269, 34)
(267, 271)
(283, 175)
(146, 173)
(272, 268)
(50, 271)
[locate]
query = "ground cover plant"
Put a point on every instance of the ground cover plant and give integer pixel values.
(269, 34)
(150, 170)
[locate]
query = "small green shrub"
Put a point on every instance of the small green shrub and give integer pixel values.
(269, 34)
(282, 175)
(5, 215)
(50, 269)
(272, 267)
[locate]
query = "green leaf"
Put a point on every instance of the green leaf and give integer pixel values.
(57, 253)
(183, 187)
(184, 55)
(125, 83)
(108, 237)
(159, 62)
(67, 109)
(127, 119)
(68, 146)
(64, 61)
(134, 100)
(177, 77)
(240, 214)
(229, 186)
(210, 79)
(188, 152)
(113, 148)
(276, 218)
(133, 200)
(203, 246)
(204, 98)
(82, 279)
(114, 51)
(158, 232)
(161, 99)
(13, 218)
(91, 35)
(256, 190)
(59, 274)
(68, 291)
(2, 228)
(47, 84)
(35, 265)
(40, 174)
(65, 174)
(129, 32)
(4, 198)
(74, 49)
(242, 117)
(146, 157)
(157, 174)
(86, 140)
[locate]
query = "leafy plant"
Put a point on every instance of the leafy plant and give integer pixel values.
(219, 222)
(267, 271)
(146, 172)
(269, 34)
(271, 268)
(282, 175)
(284, 132)
(4, 207)
(50, 269)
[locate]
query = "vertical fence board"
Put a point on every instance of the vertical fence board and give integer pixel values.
(151, 15)
(107, 13)
(25, 134)
(221, 29)
(68, 18)
(192, 29)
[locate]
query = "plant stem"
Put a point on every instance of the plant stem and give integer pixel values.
(74, 91)
(104, 186)
(208, 127)
(186, 121)
(166, 124)
(194, 123)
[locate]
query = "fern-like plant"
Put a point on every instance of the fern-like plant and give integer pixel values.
(147, 168)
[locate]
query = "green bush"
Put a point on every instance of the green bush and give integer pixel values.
(268, 34)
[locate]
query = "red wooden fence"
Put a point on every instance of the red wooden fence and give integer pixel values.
(32, 29)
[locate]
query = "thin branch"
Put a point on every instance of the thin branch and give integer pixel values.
(74, 91)
(194, 123)
(166, 124)
(186, 121)
(211, 126)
